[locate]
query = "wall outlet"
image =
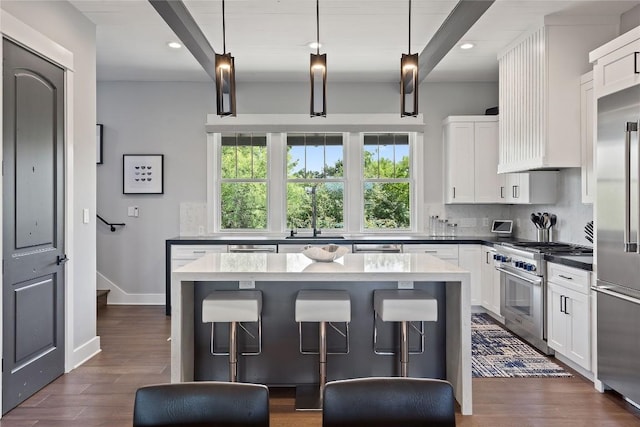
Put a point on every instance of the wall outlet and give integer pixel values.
(246, 284)
(85, 216)
(405, 284)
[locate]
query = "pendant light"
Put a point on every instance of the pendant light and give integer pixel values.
(225, 78)
(409, 79)
(318, 74)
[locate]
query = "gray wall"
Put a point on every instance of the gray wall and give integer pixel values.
(62, 23)
(630, 19)
(168, 118)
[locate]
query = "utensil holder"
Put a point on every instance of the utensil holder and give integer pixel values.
(542, 234)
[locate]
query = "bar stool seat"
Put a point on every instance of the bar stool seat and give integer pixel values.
(411, 305)
(404, 306)
(233, 307)
(322, 306)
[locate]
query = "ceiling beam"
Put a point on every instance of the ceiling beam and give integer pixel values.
(176, 15)
(459, 21)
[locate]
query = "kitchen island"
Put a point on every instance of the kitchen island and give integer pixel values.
(279, 276)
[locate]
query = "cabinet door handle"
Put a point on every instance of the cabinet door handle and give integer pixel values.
(561, 303)
(565, 305)
(635, 62)
(199, 252)
(501, 192)
(454, 192)
(565, 277)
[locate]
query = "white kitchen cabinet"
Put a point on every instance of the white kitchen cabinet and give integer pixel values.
(471, 159)
(539, 94)
(587, 104)
(184, 254)
(616, 64)
(469, 258)
(568, 316)
(490, 281)
(539, 187)
(445, 252)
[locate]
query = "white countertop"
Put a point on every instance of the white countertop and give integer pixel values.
(289, 266)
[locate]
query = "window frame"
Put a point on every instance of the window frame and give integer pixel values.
(410, 180)
(342, 180)
(353, 127)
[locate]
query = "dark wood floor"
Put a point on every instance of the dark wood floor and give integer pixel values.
(136, 352)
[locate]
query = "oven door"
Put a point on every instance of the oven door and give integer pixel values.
(522, 304)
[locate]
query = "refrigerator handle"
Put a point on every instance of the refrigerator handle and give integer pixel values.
(629, 246)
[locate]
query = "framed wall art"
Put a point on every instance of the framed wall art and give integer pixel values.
(99, 144)
(142, 174)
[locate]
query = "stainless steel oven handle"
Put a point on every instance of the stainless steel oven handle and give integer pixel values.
(533, 282)
(604, 290)
(629, 246)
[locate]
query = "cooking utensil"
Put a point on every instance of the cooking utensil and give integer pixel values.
(534, 220)
(553, 219)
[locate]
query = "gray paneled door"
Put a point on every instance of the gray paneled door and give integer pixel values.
(33, 220)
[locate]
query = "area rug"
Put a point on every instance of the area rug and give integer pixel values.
(496, 352)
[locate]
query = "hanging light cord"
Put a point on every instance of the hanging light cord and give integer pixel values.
(224, 41)
(317, 27)
(409, 50)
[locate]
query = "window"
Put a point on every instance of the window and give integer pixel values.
(387, 183)
(315, 160)
(243, 181)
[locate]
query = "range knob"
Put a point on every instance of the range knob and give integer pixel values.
(519, 264)
(496, 257)
(531, 267)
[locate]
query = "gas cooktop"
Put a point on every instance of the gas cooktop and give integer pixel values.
(550, 247)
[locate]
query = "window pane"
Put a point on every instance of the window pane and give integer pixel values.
(329, 202)
(386, 156)
(228, 162)
(295, 161)
(386, 205)
(315, 156)
(243, 205)
(244, 156)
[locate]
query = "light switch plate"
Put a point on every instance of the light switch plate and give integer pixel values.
(85, 216)
(132, 211)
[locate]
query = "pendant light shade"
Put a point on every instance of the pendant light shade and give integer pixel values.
(409, 79)
(318, 75)
(225, 78)
(409, 85)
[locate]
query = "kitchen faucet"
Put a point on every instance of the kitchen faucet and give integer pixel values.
(314, 211)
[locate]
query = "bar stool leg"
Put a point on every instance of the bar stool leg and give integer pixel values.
(404, 349)
(233, 352)
(323, 356)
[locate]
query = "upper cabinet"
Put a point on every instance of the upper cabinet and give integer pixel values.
(539, 94)
(471, 160)
(616, 65)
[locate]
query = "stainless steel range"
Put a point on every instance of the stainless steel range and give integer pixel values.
(523, 287)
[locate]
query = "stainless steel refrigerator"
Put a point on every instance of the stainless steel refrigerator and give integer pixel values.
(617, 248)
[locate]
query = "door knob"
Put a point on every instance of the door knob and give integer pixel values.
(61, 259)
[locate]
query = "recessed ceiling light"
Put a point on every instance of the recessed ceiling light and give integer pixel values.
(466, 46)
(315, 45)
(174, 45)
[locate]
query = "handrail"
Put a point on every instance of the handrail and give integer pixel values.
(112, 225)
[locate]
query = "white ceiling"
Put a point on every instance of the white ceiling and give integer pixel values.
(363, 39)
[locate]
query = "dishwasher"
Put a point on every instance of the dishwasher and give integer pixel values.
(252, 248)
(377, 248)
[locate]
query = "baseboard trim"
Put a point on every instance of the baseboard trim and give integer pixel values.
(85, 352)
(118, 296)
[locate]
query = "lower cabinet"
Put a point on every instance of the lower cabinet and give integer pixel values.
(490, 281)
(568, 315)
